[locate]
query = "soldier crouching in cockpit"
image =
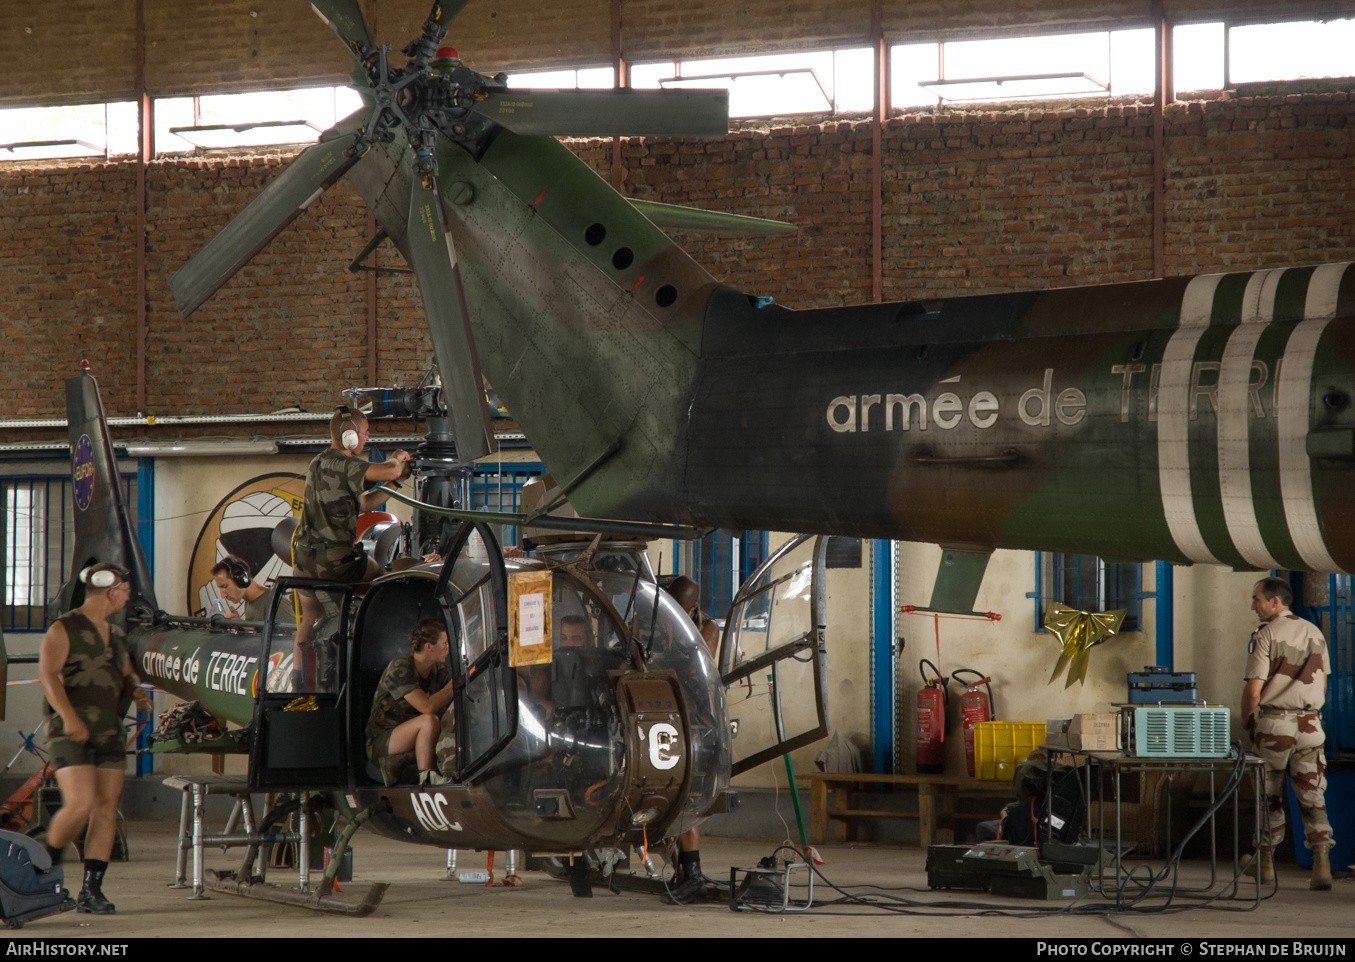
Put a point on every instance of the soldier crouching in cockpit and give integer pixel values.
(406, 718)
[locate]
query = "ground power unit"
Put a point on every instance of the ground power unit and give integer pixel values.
(1163, 731)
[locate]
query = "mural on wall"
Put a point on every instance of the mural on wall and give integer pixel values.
(242, 525)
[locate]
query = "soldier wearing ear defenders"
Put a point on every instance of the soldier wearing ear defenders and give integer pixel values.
(87, 679)
(235, 584)
(337, 491)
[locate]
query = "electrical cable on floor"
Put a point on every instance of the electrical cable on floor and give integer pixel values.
(887, 903)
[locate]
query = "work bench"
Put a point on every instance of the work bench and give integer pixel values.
(936, 798)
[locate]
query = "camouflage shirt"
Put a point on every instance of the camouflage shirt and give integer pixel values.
(389, 707)
(93, 678)
(329, 515)
(1290, 654)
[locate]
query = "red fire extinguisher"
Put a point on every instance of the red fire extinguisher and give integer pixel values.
(932, 702)
(975, 707)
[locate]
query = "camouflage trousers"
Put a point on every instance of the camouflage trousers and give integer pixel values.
(1292, 743)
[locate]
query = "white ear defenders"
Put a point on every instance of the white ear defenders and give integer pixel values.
(99, 579)
(348, 437)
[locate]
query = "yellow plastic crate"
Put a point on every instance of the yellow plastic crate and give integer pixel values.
(1000, 746)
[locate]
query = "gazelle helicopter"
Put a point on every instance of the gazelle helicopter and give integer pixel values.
(551, 748)
(1197, 419)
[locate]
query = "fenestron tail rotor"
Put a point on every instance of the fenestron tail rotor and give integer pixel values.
(284, 198)
(433, 257)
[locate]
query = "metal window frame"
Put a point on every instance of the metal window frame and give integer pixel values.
(1106, 573)
(56, 490)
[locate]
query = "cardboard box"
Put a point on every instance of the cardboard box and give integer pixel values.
(1094, 733)
(1056, 732)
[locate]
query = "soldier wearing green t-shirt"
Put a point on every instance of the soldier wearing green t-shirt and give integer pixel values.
(339, 487)
(87, 679)
(414, 691)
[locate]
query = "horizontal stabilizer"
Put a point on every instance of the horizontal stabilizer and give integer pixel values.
(609, 113)
(676, 217)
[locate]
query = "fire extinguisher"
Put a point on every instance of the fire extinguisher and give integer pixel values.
(975, 707)
(932, 704)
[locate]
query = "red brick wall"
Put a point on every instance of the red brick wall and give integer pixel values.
(972, 200)
(82, 51)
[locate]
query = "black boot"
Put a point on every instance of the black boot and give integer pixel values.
(91, 900)
(691, 884)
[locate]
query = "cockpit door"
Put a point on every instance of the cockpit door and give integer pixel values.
(772, 658)
(302, 699)
(473, 588)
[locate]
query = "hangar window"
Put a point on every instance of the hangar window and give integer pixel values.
(1087, 583)
(82, 130)
(774, 85)
(719, 563)
(580, 78)
(497, 486)
(1298, 50)
(260, 118)
(1101, 64)
(38, 535)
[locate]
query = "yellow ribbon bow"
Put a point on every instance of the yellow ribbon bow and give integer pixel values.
(1079, 632)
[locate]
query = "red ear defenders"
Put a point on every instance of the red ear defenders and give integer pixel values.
(237, 572)
(103, 578)
(348, 437)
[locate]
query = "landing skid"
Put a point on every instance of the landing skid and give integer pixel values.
(715, 892)
(583, 875)
(319, 900)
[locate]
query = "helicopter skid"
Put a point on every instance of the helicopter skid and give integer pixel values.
(317, 901)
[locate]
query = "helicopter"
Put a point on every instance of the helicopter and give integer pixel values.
(1202, 419)
(563, 749)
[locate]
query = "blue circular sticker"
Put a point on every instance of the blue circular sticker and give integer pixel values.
(82, 472)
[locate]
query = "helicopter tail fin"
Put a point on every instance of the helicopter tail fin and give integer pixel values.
(103, 530)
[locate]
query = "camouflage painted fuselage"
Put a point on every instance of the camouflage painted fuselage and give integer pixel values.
(1196, 420)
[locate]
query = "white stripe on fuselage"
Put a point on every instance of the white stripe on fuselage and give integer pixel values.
(1293, 397)
(1235, 416)
(1173, 419)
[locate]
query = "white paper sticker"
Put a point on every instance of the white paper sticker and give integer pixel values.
(531, 619)
(1055, 821)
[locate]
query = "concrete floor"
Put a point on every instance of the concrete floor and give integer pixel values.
(421, 903)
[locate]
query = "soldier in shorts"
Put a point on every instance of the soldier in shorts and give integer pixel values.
(87, 679)
(339, 487)
(413, 694)
(1287, 668)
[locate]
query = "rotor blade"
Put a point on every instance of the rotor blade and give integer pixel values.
(433, 258)
(677, 217)
(609, 113)
(345, 18)
(284, 198)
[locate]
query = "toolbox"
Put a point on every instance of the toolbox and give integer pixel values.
(1158, 685)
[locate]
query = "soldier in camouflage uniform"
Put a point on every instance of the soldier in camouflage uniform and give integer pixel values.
(337, 491)
(87, 679)
(1287, 668)
(413, 694)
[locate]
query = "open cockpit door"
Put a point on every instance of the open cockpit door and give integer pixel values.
(473, 587)
(302, 695)
(772, 659)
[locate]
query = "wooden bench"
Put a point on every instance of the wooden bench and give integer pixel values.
(936, 797)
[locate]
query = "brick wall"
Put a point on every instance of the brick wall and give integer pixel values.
(82, 51)
(972, 201)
